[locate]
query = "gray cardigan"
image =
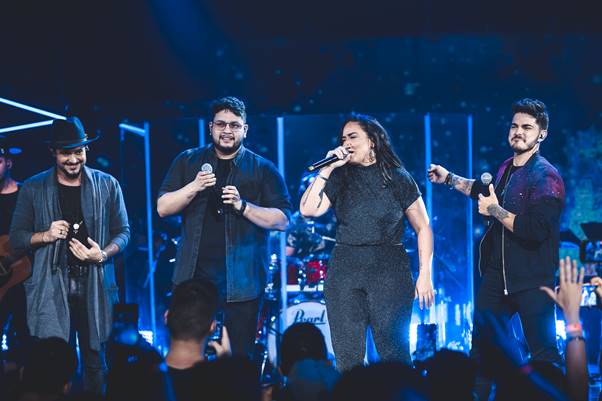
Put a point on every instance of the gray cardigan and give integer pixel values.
(106, 219)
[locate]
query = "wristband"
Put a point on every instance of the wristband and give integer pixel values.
(243, 206)
(574, 327)
(448, 179)
(578, 338)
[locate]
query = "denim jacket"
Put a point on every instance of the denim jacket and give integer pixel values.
(258, 182)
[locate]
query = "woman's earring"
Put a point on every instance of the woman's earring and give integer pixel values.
(372, 156)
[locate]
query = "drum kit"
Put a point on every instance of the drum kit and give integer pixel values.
(308, 246)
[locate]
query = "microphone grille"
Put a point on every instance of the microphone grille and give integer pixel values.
(207, 168)
(486, 178)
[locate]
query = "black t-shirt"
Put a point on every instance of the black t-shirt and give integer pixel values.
(7, 207)
(70, 202)
(211, 263)
(368, 212)
(496, 229)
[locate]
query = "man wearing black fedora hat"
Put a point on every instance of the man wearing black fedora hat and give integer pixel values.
(73, 219)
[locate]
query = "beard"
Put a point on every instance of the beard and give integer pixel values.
(69, 174)
(527, 147)
(227, 150)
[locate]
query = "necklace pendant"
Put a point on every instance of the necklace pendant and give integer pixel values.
(75, 228)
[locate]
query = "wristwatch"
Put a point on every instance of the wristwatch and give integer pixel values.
(103, 256)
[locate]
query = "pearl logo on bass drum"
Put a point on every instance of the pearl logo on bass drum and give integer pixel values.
(302, 317)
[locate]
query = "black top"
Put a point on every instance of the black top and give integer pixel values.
(71, 208)
(259, 183)
(496, 229)
(185, 382)
(7, 206)
(211, 263)
(367, 211)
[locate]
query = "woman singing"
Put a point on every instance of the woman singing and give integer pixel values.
(369, 281)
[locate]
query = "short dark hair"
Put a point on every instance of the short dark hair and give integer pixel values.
(535, 108)
(49, 365)
(229, 103)
(301, 341)
(192, 309)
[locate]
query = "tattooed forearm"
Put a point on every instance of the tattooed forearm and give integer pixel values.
(306, 194)
(498, 212)
(461, 184)
(321, 194)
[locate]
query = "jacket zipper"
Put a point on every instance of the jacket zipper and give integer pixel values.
(503, 237)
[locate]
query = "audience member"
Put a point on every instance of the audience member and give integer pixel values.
(49, 366)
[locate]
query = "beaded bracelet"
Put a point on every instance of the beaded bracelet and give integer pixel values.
(578, 338)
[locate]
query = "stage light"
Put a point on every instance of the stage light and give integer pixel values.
(25, 126)
(147, 335)
(32, 109)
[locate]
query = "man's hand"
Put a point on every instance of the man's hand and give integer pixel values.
(85, 254)
(58, 230)
(569, 291)
(222, 348)
(488, 204)
(424, 291)
(230, 196)
(204, 180)
(437, 174)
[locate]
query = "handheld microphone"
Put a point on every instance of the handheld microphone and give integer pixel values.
(323, 163)
(486, 178)
(208, 168)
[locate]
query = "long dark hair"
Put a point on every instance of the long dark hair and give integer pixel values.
(386, 158)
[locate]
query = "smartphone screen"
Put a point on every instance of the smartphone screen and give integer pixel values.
(588, 295)
(219, 324)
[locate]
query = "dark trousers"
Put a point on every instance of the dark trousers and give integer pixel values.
(240, 318)
(92, 362)
(536, 312)
(369, 286)
(13, 321)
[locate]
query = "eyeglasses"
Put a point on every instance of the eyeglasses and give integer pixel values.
(221, 125)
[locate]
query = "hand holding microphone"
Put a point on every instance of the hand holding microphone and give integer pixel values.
(334, 158)
(205, 178)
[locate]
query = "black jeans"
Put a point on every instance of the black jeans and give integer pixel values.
(92, 362)
(241, 322)
(536, 312)
(240, 318)
(13, 306)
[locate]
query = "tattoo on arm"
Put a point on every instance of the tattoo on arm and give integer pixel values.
(306, 194)
(321, 194)
(498, 212)
(461, 184)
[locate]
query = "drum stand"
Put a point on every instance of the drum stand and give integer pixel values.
(268, 323)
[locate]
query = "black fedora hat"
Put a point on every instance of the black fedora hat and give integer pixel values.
(69, 134)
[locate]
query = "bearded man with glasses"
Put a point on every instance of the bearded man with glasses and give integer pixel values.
(229, 199)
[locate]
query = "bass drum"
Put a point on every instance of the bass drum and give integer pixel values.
(309, 311)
